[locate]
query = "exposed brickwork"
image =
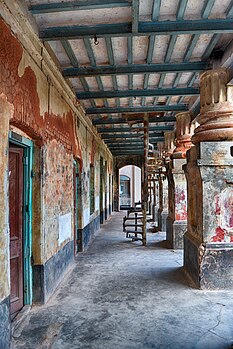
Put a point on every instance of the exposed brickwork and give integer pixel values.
(22, 93)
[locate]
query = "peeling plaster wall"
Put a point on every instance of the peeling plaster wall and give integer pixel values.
(51, 117)
(6, 110)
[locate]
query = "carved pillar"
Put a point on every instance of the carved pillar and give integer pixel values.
(153, 184)
(184, 131)
(157, 188)
(150, 192)
(177, 192)
(169, 144)
(167, 151)
(156, 200)
(215, 118)
(145, 177)
(208, 257)
(160, 200)
(164, 213)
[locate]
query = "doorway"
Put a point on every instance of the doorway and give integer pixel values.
(77, 196)
(20, 214)
(101, 191)
(129, 186)
(125, 196)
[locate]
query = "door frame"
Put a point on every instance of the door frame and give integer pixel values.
(27, 145)
(101, 192)
(76, 175)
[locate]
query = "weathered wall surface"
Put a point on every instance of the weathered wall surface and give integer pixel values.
(208, 241)
(177, 210)
(6, 111)
(46, 112)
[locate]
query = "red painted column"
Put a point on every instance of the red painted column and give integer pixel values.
(177, 185)
(208, 257)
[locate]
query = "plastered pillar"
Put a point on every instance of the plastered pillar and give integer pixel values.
(6, 110)
(150, 194)
(160, 200)
(208, 243)
(177, 193)
(164, 213)
(156, 207)
(159, 173)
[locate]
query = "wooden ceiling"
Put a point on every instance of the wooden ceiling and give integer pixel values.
(128, 57)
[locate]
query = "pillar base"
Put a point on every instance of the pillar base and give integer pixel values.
(210, 266)
(164, 216)
(155, 214)
(160, 219)
(175, 233)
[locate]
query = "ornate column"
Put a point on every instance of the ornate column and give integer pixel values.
(208, 249)
(164, 213)
(145, 177)
(215, 118)
(155, 163)
(157, 185)
(160, 200)
(168, 149)
(150, 191)
(177, 192)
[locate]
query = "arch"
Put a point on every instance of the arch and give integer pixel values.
(122, 161)
(129, 186)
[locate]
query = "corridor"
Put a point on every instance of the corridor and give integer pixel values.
(121, 295)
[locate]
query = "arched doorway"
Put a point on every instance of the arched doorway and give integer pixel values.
(125, 199)
(130, 186)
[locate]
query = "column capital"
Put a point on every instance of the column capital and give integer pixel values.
(169, 141)
(216, 115)
(184, 131)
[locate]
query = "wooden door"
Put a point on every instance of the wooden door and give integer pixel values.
(16, 227)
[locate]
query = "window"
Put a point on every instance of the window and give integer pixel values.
(92, 189)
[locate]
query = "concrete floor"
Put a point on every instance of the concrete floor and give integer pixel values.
(121, 295)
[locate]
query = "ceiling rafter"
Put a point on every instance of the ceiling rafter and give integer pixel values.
(133, 152)
(136, 69)
(133, 139)
(110, 53)
(135, 15)
(210, 26)
(229, 11)
(129, 135)
(156, 10)
(150, 52)
(135, 129)
(139, 93)
(181, 9)
(74, 6)
(193, 42)
(153, 119)
(173, 39)
(130, 61)
(92, 60)
(73, 60)
(158, 108)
